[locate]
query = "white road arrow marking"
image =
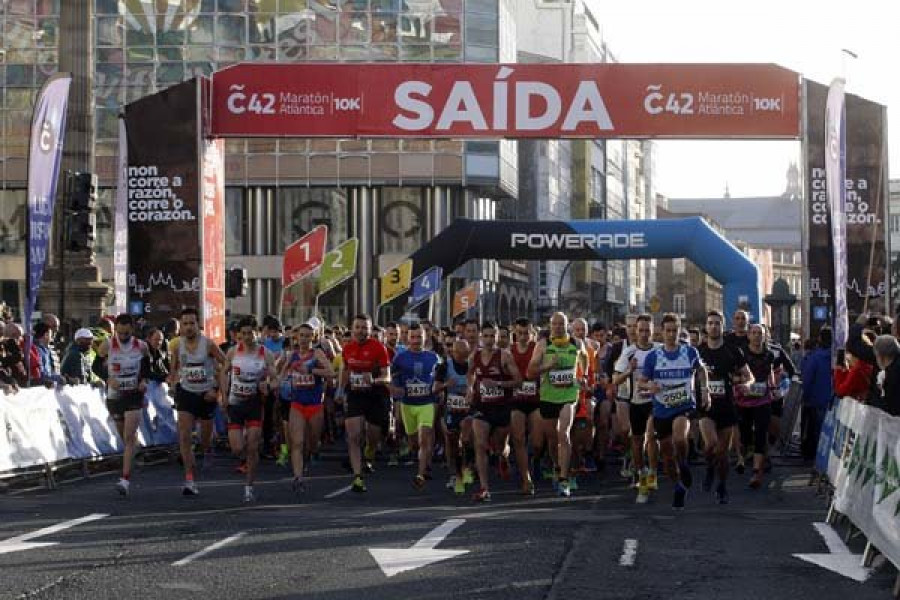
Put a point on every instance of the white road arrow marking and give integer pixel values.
(839, 558)
(21, 542)
(422, 553)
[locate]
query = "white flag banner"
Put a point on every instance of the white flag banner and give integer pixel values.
(120, 226)
(835, 176)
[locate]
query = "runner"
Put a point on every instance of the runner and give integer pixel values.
(470, 333)
(492, 377)
(582, 433)
(556, 361)
(307, 369)
(727, 368)
(413, 382)
(755, 403)
(451, 379)
(249, 367)
(193, 377)
(669, 374)
(737, 337)
(126, 383)
(503, 337)
(525, 416)
(640, 406)
(785, 370)
(366, 373)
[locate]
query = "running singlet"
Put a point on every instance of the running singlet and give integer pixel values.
(364, 362)
(197, 369)
(760, 392)
(674, 372)
(457, 376)
(558, 386)
(527, 392)
(414, 372)
(493, 395)
(303, 388)
(640, 355)
(721, 364)
(125, 365)
(601, 358)
(247, 370)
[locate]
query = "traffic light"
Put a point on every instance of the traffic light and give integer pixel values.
(81, 220)
(235, 282)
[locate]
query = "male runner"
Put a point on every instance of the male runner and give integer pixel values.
(249, 366)
(525, 416)
(669, 374)
(755, 403)
(503, 337)
(640, 408)
(492, 377)
(582, 433)
(451, 379)
(366, 372)
(193, 376)
(126, 383)
(307, 370)
(727, 368)
(556, 361)
(471, 334)
(413, 382)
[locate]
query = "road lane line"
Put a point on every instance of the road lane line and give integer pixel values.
(208, 549)
(629, 553)
(337, 493)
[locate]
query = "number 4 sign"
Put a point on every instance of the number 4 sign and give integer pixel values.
(425, 285)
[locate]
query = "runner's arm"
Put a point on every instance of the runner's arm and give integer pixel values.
(225, 372)
(510, 366)
(325, 370)
(537, 359)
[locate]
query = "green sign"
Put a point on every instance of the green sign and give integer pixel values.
(339, 265)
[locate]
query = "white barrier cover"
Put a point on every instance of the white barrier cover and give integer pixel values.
(92, 429)
(32, 429)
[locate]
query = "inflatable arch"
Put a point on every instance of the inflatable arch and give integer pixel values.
(692, 238)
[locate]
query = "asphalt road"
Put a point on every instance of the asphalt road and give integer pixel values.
(598, 544)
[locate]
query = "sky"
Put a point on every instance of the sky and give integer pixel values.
(801, 35)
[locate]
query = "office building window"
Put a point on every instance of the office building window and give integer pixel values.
(678, 304)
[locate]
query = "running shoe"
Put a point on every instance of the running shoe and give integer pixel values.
(451, 483)
(189, 488)
(249, 496)
(393, 460)
(428, 475)
(590, 465)
(241, 468)
(627, 471)
(368, 467)
(123, 487)
(684, 472)
(468, 476)
(652, 481)
(709, 479)
(573, 483)
(482, 496)
(757, 480)
(419, 483)
(643, 494)
(459, 487)
(767, 465)
(678, 496)
(564, 488)
(358, 485)
(369, 452)
(528, 488)
(739, 468)
(298, 487)
(284, 455)
(721, 493)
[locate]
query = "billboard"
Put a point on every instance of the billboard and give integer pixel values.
(865, 207)
(514, 100)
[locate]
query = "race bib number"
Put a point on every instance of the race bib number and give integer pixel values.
(457, 402)
(564, 378)
(243, 389)
(716, 388)
(674, 396)
(304, 381)
(528, 389)
(194, 374)
(360, 381)
(488, 393)
(758, 390)
(417, 389)
(127, 383)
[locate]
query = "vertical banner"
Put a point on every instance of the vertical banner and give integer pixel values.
(835, 175)
(48, 125)
(214, 239)
(164, 215)
(865, 208)
(120, 226)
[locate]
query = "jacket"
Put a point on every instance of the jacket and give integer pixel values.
(854, 382)
(817, 380)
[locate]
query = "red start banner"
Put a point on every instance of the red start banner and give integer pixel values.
(511, 100)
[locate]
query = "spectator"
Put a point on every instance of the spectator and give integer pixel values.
(156, 363)
(13, 344)
(887, 352)
(49, 372)
(8, 383)
(817, 393)
(797, 353)
(853, 376)
(76, 366)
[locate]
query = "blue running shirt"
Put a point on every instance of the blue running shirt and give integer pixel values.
(674, 372)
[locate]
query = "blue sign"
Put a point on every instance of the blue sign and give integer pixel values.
(425, 285)
(136, 307)
(820, 313)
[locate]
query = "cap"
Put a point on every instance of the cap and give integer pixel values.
(84, 333)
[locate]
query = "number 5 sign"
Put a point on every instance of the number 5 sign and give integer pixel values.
(304, 256)
(465, 299)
